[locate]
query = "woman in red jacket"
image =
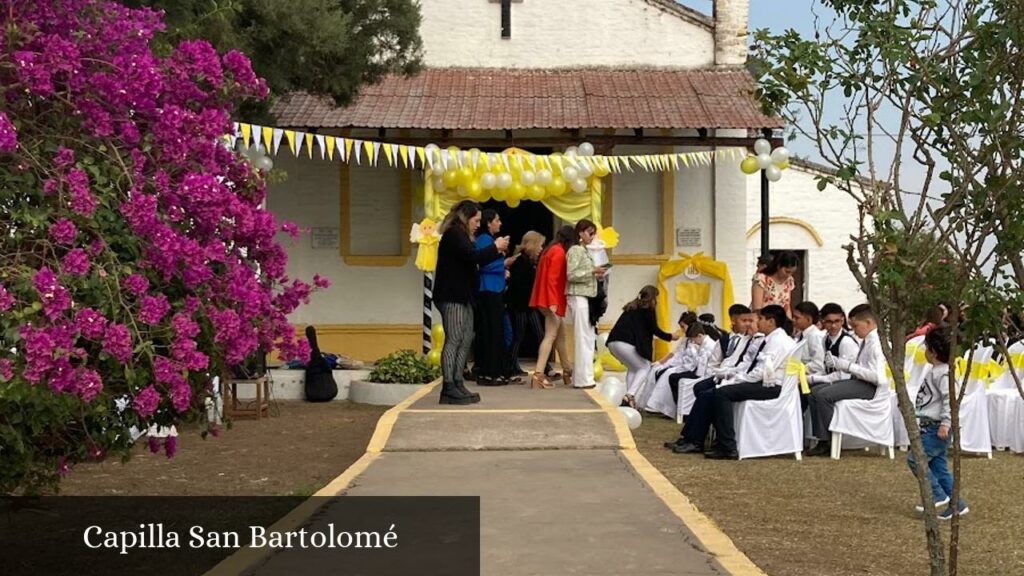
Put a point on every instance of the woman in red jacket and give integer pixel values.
(549, 296)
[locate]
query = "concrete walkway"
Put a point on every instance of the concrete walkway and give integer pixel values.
(563, 489)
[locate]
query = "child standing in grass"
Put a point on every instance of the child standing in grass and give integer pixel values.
(932, 408)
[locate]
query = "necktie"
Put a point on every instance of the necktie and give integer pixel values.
(757, 357)
(733, 340)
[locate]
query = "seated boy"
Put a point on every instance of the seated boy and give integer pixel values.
(867, 371)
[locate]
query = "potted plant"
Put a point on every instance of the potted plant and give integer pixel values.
(393, 379)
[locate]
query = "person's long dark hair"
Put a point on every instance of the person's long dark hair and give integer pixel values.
(646, 300)
(781, 260)
(460, 215)
(564, 237)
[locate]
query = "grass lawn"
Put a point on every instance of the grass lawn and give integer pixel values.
(851, 517)
(294, 453)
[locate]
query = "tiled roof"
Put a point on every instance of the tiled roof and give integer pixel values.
(516, 99)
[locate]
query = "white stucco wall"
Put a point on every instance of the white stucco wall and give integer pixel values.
(358, 294)
(561, 34)
(832, 213)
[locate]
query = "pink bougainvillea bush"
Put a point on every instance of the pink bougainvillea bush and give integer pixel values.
(135, 258)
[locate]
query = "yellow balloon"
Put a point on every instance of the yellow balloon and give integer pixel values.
(466, 176)
(499, 194)
(749, 165)
(598, 369)
(434, 357)
(512, 202)
(517, 191)
(474, 190)
(557, 186)
(535, 193)
(601, 169)
(437, 335)
(450, 178)
(784, 165)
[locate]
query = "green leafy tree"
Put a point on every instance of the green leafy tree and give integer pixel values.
(326, 47)
(917, 105)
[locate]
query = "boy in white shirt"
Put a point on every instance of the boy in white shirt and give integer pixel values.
(867, 371)
(837, 341)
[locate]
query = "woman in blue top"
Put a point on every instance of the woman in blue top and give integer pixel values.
(491, 356)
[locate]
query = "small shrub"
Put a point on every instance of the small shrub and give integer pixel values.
(403, 367)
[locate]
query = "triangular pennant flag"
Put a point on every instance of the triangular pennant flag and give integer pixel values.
(685, 158)
(613, 162)
(389, 153)
(289, 136)
(257, 136)
(474, 158)
(358, 146)
(675, 161)
(532, 161)
(421, 153)
(646, 162)
(320, 144)
(268, 136)
(299, 137)
(504, 159)
(275, 140)
(403, 153)
(348, 149)
(234, 130)
(309, 145)
(444, 160)
(330, 147)
(374, 153)
(246, 134)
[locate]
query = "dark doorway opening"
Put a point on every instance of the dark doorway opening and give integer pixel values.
(515, 222)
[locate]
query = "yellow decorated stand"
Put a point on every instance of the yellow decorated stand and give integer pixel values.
(691, 292)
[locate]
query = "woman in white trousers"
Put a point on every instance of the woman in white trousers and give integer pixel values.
(581, 284)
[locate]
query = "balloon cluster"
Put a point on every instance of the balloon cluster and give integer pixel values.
(436, 344)
(482, 176)
(614, 390)
(773, 162)
(257, 156)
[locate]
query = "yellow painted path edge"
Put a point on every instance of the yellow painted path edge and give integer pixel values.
(711, 537)
(247, 558)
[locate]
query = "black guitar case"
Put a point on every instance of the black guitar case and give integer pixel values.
(320, 384)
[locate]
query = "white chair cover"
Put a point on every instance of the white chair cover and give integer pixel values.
(975, 433)
(869, 420)
(1017, 426)
(1003, 398)
(916, 367)
(772, 427)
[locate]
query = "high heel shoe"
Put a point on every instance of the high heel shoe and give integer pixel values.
(567, 377)
(538, 381)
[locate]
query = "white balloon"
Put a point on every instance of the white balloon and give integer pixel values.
(571, 151)
(462, 191)
(586, 149)
(780, 155)
(614, 389)
(438, 183)
(633, 418)
(504, 181)
(764, 161)
(544, 177)
(762, 146)
(488, 180)
(773, 173)
(264, 163)
(585, 170)
(570, 173)
(579, 185)
(527, 178)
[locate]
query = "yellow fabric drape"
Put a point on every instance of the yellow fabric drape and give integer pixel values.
(797, 368)
(704, 265)
(979, 370)
(693, 294)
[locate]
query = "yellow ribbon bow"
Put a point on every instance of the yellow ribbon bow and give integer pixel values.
(979, 370)
(797, 368)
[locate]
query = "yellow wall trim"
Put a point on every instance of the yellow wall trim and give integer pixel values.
(639, 259)
(345, 224)
(366, 342)
(788, 220)
(668, 232)
(398, 329)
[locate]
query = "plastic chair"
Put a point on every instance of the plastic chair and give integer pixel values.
(776, 426)
(916, 367)
(975, 430)
(869, 420)
(1003, 399)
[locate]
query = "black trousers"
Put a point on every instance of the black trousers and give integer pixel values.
(725, 397)
(673, 381)
(489, 347)
(523, 321)
(698, 422)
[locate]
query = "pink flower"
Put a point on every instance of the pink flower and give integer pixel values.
(88, 384)
(290, 228)
(154, 444)
(62, 467)
(82, 200)
(75, 262)
(153, 308)
(146, 401)
(6, 369)
(6, 300)
(63, 231)
(135, 284)
(181, 396)
(64, 157)
(90, 323)
(117, 341)
(321, 282)
(171, 446)
(8, 134)
(55, 297)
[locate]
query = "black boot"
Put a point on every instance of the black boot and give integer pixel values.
(451, 395)
(473, 396)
